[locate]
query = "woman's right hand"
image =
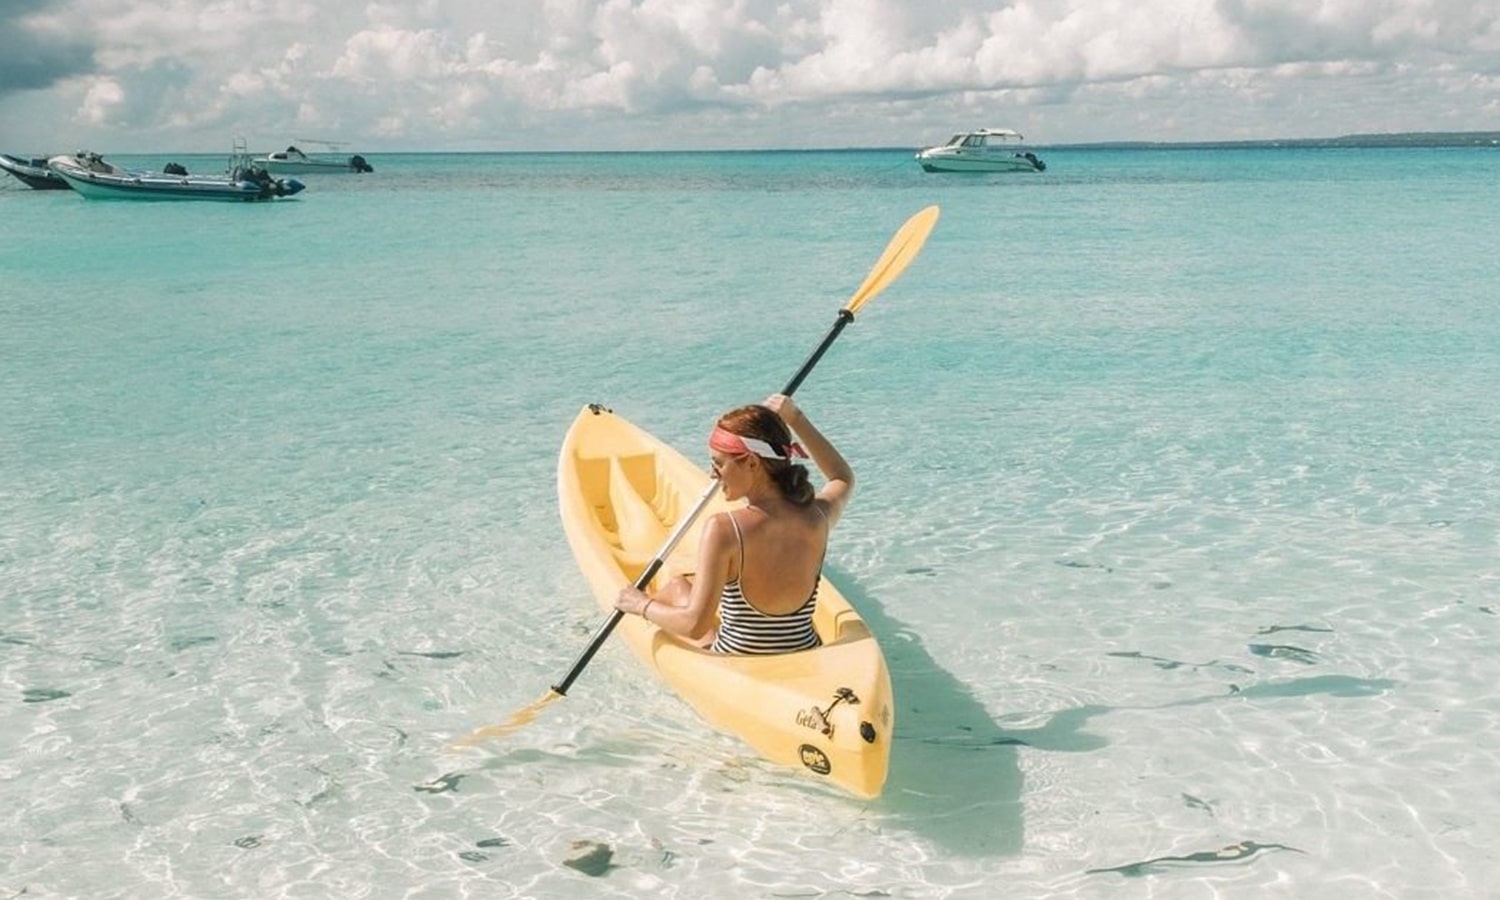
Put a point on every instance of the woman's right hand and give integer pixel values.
(631, 600)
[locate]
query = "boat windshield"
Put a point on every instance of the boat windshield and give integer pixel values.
(956, 140)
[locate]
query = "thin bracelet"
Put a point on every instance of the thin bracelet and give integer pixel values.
(649, 601)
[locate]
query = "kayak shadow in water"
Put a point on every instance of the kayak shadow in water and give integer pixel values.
(955, 776)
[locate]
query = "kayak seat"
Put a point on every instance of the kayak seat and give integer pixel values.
(839, 627)
(638, 528)
(669, 503)
(632, 564)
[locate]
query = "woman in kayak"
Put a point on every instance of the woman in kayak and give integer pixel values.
(758, 566)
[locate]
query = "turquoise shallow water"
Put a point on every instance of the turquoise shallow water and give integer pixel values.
(1178, 520)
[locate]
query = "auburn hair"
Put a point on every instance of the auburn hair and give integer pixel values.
(762, 423)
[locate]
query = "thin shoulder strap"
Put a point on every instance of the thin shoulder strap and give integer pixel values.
(740, 540)
(827, 536)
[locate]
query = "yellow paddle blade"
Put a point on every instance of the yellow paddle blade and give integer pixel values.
(519, 719)
(902, 249)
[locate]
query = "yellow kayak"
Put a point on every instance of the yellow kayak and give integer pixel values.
(828, 710)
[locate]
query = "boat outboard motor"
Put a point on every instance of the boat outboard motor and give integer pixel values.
(1040, 166)
(259, 177)
(358, 164)
(172, 168)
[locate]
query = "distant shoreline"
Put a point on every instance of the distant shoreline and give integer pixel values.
(1361, 141)
(1412, 139)
(1395, 140)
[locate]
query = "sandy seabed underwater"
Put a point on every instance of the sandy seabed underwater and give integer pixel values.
(1177, 521)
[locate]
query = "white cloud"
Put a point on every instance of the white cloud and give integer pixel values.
(443, 73)
(103, 96)
(389, 54)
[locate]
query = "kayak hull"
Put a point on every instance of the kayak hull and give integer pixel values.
(828, 711)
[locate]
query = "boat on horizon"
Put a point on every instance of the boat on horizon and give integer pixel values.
(985, 150)
(293, 161)
(33, 172)
(95, 177)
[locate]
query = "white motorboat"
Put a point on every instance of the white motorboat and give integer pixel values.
(985, 150)
(93, 176)
(293, 161)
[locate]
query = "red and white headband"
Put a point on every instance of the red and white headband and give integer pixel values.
(726, 441)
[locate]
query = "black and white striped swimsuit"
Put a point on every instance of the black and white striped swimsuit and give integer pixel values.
(743, 629)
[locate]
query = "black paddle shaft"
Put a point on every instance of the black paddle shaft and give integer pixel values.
(845, 317)
(603, 633)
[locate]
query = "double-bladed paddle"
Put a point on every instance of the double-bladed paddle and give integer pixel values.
(899, 253)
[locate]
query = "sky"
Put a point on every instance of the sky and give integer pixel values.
(512, 75)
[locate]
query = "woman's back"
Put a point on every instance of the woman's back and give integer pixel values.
(781, 556)
(755, 588)
(767, 604)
